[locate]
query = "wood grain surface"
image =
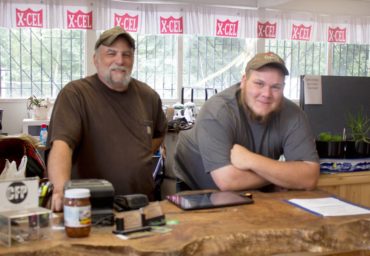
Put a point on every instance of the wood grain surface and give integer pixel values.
(270, 226)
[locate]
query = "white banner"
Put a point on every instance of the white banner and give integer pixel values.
(78, 17)
(177, 18)
(28, 15)
(128, 20)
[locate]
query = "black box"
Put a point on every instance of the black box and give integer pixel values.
(101, 198)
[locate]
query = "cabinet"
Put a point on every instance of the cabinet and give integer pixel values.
(352, 186)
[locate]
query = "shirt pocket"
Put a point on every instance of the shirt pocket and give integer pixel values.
(147, 126)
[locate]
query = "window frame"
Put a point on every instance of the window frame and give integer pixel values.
(260, 46)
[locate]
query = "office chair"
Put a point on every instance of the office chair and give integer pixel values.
(14, 148)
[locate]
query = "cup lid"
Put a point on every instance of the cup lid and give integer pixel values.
(77, 193)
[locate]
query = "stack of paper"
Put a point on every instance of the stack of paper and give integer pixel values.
(329, 206)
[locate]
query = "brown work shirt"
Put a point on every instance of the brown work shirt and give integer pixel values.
(110, 132)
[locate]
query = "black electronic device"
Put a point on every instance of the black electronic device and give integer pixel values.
(208, 200)
(101, 198)
(130, 202)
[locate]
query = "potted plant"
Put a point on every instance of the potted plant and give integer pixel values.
(359, 126)
(330, 145)
(39, 107)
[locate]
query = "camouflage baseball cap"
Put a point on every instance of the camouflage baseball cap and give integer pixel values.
(109, 36)
(268, 58)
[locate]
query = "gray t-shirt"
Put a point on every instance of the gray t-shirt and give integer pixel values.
(220, 125)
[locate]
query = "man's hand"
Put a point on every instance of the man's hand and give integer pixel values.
(57, 202)
(239, 157)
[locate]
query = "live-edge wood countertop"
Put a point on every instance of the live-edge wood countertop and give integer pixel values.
(269, 226)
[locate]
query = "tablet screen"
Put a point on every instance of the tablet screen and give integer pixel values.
(208, 200)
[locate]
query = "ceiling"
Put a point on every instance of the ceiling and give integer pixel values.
(329, 7)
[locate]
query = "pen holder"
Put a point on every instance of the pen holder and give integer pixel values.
(45, 192)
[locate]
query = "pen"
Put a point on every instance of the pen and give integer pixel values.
(44, 190)
(133, 230)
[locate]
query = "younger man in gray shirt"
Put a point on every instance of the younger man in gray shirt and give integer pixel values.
(241, 133)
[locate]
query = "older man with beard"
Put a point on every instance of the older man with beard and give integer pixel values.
(106, 126)
(241, 133)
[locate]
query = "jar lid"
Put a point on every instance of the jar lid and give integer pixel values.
(77, 193)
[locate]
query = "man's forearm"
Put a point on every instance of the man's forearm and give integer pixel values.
(59, 170)
(231, 178)
(292, 174)
(59, 164)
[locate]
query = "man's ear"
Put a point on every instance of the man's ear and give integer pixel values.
(94, 58)
(243, 81)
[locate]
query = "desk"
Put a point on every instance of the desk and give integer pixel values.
(353, 186)
(269, 226)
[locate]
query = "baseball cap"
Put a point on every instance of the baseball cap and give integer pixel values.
(268, 58)
(109, 36)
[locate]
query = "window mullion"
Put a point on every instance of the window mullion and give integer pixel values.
(180, 65)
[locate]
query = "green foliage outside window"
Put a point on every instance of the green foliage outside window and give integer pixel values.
(41, 61)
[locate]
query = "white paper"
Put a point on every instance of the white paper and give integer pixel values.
(329, 206)
(312, 89)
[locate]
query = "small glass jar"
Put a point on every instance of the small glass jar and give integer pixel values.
(77, 212)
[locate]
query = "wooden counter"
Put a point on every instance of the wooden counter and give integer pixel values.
(269, 226)
(352, 186)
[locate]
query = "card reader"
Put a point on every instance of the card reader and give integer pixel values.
(102, 196)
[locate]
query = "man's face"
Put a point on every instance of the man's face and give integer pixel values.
(114, 64)
(262, 91)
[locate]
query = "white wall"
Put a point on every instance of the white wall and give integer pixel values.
(14, 111)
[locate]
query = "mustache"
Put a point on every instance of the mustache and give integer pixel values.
(120, 68)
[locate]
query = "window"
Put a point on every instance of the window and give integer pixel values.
(205, 62)
(350, 60)
(319, 58)
(39, 61)
(301, 58)
(156, 63)
(214, 63)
